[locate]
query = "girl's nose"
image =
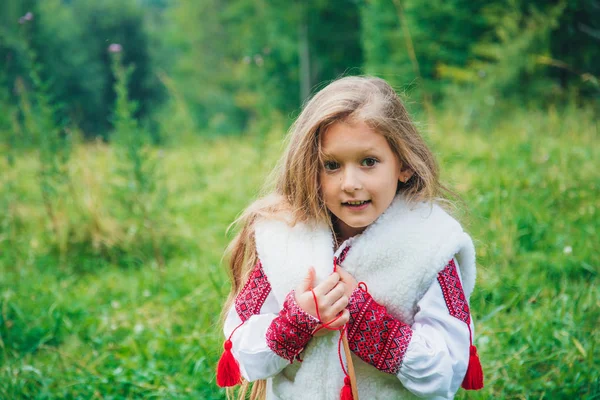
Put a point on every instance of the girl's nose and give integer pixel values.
(350, 180)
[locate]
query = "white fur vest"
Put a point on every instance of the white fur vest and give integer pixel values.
(398, 257)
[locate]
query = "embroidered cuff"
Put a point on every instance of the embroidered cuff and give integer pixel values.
(374, 335)
(291, 330)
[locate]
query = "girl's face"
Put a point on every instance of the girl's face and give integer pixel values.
(359, 175)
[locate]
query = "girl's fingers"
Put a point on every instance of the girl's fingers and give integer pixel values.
(307, 282)
(336, 308)
(348, 279)
(334, 294)
(325, 287)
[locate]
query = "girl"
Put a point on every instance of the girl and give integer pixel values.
(352, 239)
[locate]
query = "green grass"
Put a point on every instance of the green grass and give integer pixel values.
(105, 321)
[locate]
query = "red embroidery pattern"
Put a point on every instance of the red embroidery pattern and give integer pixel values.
(375, 336)
(291, 330)
(453, 293)
(339, 260)
(253, 294)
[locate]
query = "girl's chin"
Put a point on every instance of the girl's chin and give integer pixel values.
(350, 227)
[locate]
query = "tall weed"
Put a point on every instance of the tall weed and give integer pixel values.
(139, 189)
(53, 144)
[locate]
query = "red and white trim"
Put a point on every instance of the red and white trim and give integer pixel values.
(254, 293)
(458, 307)
(453, 293)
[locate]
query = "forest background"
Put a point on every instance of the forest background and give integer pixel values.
(132, 132)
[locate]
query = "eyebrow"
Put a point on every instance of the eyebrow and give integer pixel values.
(370, 150)
(365, 152)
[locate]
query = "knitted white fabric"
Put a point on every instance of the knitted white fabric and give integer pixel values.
(398, 256)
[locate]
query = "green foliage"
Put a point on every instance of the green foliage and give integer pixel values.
(81, 232)
(529, 180)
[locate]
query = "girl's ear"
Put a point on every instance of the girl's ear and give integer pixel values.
(405, 174)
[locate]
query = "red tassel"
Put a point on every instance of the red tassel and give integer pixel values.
(346, 393)
(474, 377)
(228, 369)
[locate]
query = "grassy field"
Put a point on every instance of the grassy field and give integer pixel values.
(103, 320)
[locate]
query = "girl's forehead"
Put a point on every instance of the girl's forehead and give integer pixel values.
(356, 137)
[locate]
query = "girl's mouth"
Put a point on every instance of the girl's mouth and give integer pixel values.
(357, 205)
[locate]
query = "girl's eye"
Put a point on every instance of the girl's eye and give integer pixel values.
(368, 162)
(330, 165)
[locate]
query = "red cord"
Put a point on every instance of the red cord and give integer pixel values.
(326, 326)
(316, 305)
(343, 330)
(236, 328)
(362, 286)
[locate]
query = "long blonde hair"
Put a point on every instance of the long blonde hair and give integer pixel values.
(296, 191)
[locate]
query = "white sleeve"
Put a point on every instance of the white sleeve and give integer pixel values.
(250, 349)
(437, 357)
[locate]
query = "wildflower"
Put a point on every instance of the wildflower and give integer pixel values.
(115, 48)
(568, 250)
(138, 328)
(26, 18)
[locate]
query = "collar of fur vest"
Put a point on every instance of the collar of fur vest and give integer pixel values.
(398, 256)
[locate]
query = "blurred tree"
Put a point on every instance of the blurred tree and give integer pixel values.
(12, 60)
(533, 51)
(233, 63)
(523, 60)
(122, 22)
(435, 33)
(240, 60)
(334, 36)
(71, 40)
(575, 46)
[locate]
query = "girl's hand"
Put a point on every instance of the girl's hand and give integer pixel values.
(331, 297)
(349, 281)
